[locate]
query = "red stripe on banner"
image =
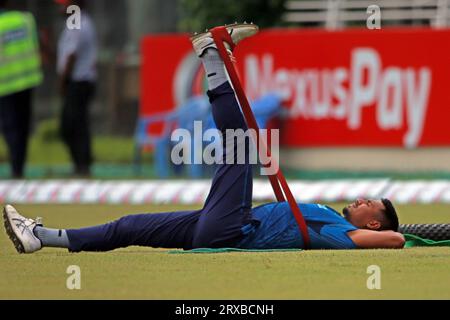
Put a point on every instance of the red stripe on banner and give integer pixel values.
(176, 197)
(319, 196)
(440, 194)
(31, 193)
(201, 196)
(55, 192)
(77, 195)
(2, 195)
(341, 197)
(392, 193)
(127, 196)
(417, 194)
(103, 197)
(148, 198)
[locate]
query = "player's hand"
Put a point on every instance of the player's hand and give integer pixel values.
(233, 59)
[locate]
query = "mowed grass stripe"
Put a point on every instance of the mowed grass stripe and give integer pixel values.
(146, 273)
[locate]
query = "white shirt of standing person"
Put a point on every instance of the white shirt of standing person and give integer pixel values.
(83, 43)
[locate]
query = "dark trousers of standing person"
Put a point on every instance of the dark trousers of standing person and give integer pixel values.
(75, 124)
(15, 119)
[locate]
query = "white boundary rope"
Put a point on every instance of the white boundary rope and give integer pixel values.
(196, 191)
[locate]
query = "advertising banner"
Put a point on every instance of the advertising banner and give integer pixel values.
(352, 88)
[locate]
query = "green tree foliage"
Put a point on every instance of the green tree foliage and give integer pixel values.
(198, 15)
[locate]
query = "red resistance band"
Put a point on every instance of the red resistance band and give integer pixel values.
(220, 35)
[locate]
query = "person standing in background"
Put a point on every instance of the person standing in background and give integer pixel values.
(20, 72)
(76, 66)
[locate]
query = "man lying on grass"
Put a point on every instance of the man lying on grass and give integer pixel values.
(227, 218)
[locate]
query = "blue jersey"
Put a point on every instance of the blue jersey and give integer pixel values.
(274, 227)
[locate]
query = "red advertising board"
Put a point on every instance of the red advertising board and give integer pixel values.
(346, 88)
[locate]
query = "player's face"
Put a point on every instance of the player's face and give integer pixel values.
(363, 213)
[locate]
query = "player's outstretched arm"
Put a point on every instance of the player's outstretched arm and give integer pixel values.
(369, 239)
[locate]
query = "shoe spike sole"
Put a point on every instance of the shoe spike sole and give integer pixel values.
(9, 231)
(196, 34)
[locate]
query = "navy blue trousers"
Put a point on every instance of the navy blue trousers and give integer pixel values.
(75, 128)
(218, 224)
(15, 122)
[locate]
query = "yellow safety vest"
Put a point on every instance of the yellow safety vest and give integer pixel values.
(20, 63)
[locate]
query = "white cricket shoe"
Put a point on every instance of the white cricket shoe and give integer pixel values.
(20, 230)
(203, 41)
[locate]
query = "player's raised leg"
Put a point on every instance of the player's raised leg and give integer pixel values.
(229, 202)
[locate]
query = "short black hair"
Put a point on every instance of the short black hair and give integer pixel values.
(390, 218)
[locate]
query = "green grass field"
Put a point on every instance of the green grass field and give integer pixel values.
(145, 273)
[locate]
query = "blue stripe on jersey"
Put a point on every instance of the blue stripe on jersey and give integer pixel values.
(274, 227)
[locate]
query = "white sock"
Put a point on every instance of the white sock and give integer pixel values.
(56, 238)
(214, 68)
